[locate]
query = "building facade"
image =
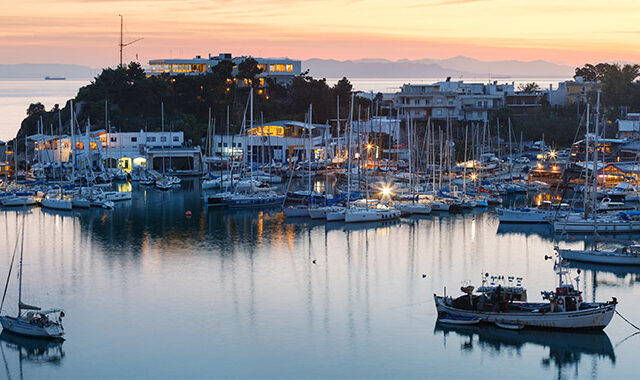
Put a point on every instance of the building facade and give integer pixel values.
(279, 70)
(451, 100)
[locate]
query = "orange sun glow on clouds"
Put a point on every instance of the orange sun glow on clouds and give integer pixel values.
(87, 31)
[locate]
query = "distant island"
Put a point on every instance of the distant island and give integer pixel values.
(46, 70)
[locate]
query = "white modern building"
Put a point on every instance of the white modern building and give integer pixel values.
(276, 141)
(105, 149)
(281, 70)
(451, 100)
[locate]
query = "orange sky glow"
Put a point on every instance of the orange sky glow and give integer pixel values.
(87, 31)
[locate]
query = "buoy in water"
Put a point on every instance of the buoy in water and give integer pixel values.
(314, 261)
(188, 214)
(424, 275)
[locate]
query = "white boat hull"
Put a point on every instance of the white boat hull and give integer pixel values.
(506, 215)
(335, 216)
(22, 327)
(595, 318)
(414, 208)
(56, 204)
(115, 196)
(599, 257)
(369, 215)
(18, 201)
(602, 227)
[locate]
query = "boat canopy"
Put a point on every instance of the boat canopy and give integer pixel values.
(24, 306)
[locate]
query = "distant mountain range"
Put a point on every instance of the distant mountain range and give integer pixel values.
(456, 67)
(41, 70)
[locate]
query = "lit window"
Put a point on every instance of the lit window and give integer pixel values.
(289, 67)
(79, 145)
(93, 145)
(272, 68)
(279, 67)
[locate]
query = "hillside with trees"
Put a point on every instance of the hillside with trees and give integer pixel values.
(133, 101)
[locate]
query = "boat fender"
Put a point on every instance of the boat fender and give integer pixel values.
(560, 301)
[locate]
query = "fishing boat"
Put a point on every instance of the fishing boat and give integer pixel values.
(627, 255)
(30, 320)
(505, 305)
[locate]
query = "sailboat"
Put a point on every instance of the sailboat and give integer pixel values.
(31, 320)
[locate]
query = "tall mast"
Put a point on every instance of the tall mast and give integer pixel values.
(349, 153)
(73, 143)
(309, 155)
(586, 167)
(162, 122)
(595, 159)
(338, 124)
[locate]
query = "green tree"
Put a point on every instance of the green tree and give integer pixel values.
(529, 88)
(35, 109)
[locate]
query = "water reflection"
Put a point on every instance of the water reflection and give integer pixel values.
(565, 348)
(296, 298)
(33, 350)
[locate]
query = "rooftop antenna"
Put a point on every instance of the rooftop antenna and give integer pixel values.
(122, 44)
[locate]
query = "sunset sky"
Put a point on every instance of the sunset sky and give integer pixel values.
(87, 31)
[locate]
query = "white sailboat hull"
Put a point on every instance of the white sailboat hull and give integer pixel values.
(23, 327)
(369, 215)
(526, 215)
(335, 216)
(115, 196)
(56, 204)
(18, 201)
(600, 257)
(587, 226)
(414, 208)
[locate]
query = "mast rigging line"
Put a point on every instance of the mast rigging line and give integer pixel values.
(15, 250)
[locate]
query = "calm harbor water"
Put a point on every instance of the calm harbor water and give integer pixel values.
(151, 293)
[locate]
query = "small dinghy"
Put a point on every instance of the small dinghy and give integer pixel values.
(458, 320)
(509, 326)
